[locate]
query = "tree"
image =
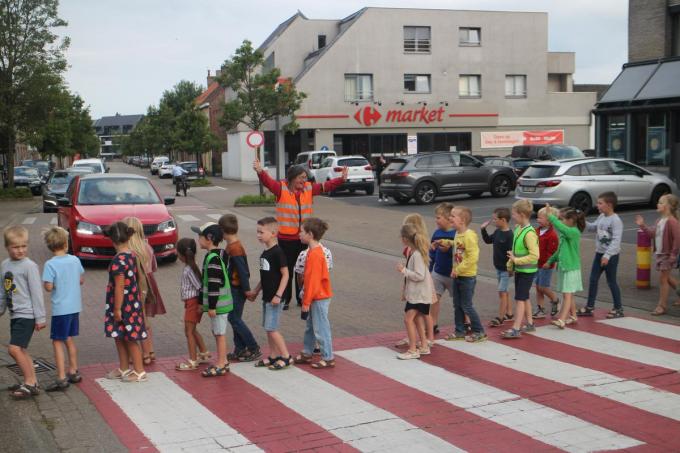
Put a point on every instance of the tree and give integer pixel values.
(31, 61)
(255, 99)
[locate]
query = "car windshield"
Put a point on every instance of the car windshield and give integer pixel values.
(190, 166)
(62, 178)
(116, 191)
(395, 165)
(540, 171)
(25, 171)
(355, 162)
(565, 152)
(97, 168)
(522, 163)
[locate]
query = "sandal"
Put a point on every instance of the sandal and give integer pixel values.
(146, 360)
(117, 374)
(321, 364)
(266, 362)
(250, 355)
(24, 391)
(233, 356)
(281, 363)
(509, 317)
(213, 371)
(74, 378)
(152, 356)
(585, 311)
(571, 320)
(658, 311)
(554, 307)
(302, 358)
(204, 357)
(58, 385)
(133, 376)
(495, 322)
(189, 365)
(511, 334)
(558, 323)
(615, 314)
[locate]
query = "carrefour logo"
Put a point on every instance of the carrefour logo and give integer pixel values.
(369, 116)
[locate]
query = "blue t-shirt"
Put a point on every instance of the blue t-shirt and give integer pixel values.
(64, 273)
(442, 262)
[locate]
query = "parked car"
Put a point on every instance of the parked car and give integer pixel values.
(136, 160)
(578, 182)
(194, 171)
(311, 160)
(165, 170)
(95, 201)
(95, 164)
(145, 162)
(546, 152)
(44, 167)
(28, 177)
(129, 159)
(57, 184)
(359, 175)
(518, 165)
(424, 177)
(157, 162)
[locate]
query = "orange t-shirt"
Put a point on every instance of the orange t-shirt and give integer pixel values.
(317, 281)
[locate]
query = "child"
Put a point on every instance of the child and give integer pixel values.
(317, 297)
(23, 296)
(609, 229)
(273, 282)
(523, 261)
(548, 242)
(246, 348)
(441, 261)
(124, 316)
(501, 239)
(190, 288)
(215, 293)
(666, 237)
(416, 291)
(568, 258)
(63, 276)
(464, 274)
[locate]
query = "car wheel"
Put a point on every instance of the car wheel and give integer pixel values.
(500, 186)
(425, 193)
(401, 200)
(475, 194)
(657, 193)
(370, 190)
(582, 202)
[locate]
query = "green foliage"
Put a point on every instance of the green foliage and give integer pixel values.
(201, 182)
(245, 200)
(17, 192)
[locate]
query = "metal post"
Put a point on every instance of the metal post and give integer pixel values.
(276, 148)
(264, 168)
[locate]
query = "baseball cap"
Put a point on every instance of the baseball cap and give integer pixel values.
(210, 230)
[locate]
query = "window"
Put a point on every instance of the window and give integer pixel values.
(600, 168)
(417, 39)
(467, 161)
(424, 162)
(441, 160)
(626, 169)
(417, 83)
(358, 87)
(516, 86)
(321, 41)
(443, 141)
(577, 170)
(468, 36)
(470, 86)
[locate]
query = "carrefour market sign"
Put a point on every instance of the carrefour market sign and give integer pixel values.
(368, 116)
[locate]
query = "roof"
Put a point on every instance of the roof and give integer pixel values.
(645, 81)
(118, 120)
(203, 97)
(280, 29)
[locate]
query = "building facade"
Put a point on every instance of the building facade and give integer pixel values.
(391, 81)
(109, 128)
(210, 104)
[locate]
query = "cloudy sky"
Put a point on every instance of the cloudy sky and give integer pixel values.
(125, 53)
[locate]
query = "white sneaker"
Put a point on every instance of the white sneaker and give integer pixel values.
(408, 355)
(423, 351)
(401, 343)
(379, 200)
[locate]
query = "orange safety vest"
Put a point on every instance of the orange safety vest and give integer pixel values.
(289, 212)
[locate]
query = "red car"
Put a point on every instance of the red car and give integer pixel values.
(94, 201)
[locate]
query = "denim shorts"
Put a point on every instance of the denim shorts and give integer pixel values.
(64, 326)
(271, 315)
(503, 278)
(442, 283)
(218, 324)
(543, 278)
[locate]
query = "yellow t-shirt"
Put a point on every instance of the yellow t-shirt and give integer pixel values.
(465, 253)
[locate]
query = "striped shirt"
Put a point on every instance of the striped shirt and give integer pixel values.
(190, 285)
(215, 278)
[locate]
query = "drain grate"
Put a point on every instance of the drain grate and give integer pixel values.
(40, 365)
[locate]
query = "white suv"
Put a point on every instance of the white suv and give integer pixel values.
(359, 175)
(157, 163)
(311, 160)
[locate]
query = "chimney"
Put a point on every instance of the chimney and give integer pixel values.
(209, 79)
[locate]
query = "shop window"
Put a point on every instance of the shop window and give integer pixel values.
(656, 142)
(443, 141)
(515, 86)
(470, 86)
(417, 83)
(470, 36)
(616, 136)
(358, 87)
(417, 39)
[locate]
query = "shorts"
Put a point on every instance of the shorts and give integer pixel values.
(271, 316)
(523, 283)
(64, 326)
(423, 309)
(569, 281)
(544, 277)
(503, 278)
(442, 283)
(218, 324)
(21, 331)
(191, 311)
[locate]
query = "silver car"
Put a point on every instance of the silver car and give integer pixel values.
(578, 182)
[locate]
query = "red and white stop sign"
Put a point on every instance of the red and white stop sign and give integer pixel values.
(255, 139)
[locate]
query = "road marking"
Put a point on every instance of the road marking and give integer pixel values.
(29, 221)
(54, 221)
(215, 216)
(508, 409)
(207, 189)
(610, 346)
(656, 329)
(608, 386)
(364, 426)
(188, 217)
(171, 418)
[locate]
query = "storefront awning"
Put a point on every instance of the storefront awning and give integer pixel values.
(644, 82)
(629, 82)
(664, 83)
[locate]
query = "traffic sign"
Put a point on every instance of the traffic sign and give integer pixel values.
(324, 148)
(255, 139)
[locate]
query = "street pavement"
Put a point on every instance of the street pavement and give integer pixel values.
(602, 385)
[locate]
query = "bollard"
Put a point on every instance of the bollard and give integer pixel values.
(644, 260)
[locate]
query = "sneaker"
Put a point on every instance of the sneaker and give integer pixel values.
(528, 328)
(424, 351)
(408, 355)
(74, 378)
(571, 320)
(476, 337)
(539, 313)
(379, 200)
(558, 323)
(511, 334)
(554, 307)
(286, 307)
(435, 329)
(401, 343)
(468, 328)
(455, 337)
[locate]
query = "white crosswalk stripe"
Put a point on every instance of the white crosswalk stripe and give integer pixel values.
(54, 221)
(188, 217)
(657, 329)
(215, 216)
(29, 221)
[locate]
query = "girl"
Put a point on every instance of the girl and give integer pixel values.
(417, 290)
(124, 318)
(568, 258)
(151, 295)
(189, 289)
(666, 237)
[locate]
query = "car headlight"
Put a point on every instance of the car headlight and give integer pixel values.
(167, 226)
(88, 228)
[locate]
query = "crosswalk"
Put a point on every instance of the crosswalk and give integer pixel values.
(199, 216)
(603, 385)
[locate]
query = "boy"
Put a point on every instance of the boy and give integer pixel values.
(501, 239)
(215, 293)
(548, 243)
(246, 348)
(273, 282)
(63, 276)
(609, 231)
(22, 294)
(523, 261)
(464, 274)
(441, 259)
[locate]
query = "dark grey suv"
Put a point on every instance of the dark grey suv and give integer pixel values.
(425, 177)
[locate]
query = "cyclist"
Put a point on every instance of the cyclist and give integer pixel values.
(178, 174)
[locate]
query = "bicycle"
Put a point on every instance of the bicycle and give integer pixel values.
(181, 183)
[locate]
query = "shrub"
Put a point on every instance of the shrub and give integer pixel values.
(201, 182)
(17, 192)
(246, 200)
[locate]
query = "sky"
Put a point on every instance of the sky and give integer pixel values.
(125, 53)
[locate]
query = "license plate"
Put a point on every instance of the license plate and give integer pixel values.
(528, 189)
(387, 180)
